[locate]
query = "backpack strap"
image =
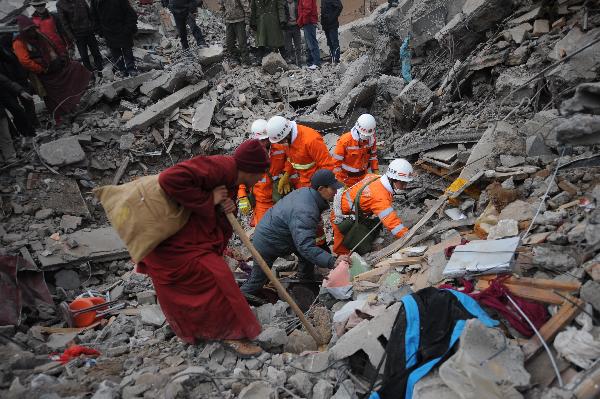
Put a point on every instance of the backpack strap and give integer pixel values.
(356, 203)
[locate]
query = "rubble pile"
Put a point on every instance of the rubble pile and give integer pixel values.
(501, 120)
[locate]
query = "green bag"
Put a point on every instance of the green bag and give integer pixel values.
(357, 230)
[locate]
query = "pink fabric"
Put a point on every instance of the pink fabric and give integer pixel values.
(495, 297)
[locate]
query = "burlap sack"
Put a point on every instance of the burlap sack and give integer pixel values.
(142, 214)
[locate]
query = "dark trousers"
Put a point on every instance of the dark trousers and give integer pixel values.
(236, 32)
(293, 44)
(23, 115)
(85, 42)
(122, 59)
(182, 21)
(313, 54)
(333, 43)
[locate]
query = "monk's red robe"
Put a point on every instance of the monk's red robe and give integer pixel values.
(194, 286)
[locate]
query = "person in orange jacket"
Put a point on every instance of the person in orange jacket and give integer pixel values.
(375, 201)
(356, 152)
(306, 154)
(262, 191)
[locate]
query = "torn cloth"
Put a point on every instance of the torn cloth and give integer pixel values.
(75, 351)
(21, 283)
(495, 297)
(196, 289)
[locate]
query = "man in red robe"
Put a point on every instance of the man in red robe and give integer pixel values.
(195, 288)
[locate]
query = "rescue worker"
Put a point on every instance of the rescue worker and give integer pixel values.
(374, 197)
(262, 194)
(306, 154)
(356, 152)
(289, 227)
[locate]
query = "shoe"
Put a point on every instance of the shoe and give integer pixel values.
(313, 67)
(243, 348)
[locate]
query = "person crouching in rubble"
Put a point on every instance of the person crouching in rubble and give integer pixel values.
(58, 80)
(290, 227)
(374, 197)
(196, 289)
(263, 195)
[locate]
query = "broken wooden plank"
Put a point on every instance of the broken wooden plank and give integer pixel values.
(568, 286)
(566, 313)
(413, 260)
(373, 275)
(121, 171)
(399, 244)
(534, 294)
(157, 136)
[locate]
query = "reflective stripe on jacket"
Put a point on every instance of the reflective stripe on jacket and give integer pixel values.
(354, 156)
(308, 149)
(375, 200)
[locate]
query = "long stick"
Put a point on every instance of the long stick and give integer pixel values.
(265, 268)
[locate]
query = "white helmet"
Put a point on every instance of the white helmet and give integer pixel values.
(400, 169)
(259, 129)
(278, 128)
(365, 126)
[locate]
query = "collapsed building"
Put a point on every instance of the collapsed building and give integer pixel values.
(501, 119)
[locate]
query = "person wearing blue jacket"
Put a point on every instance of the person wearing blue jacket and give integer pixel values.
(290, 227)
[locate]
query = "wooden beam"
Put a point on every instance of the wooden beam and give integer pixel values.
(534, 294)
(373, 275)
(121, 171)
(566, 313)
(414, 260)
(568, 286)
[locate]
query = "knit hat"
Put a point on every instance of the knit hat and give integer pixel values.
(24, 23)
(251, 157)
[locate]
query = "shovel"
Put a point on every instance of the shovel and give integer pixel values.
(267, 270)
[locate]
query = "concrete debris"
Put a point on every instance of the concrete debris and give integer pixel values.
(361, 96)
(167, 83)
(504, 228)
(433, 387)
(579, 130)
(485, 365)
(67, 279)
(62, 152)
(203, 115)
(258, 390)
(209, 56)
(301, 382)
(581, 66)
(153, 315)
(274, 63)
(514, 85)
(590, 292)
(165, 106)
(586, 100)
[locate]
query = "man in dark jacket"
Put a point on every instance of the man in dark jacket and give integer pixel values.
(330, 12)
(76, 19)
(117, 23)
(290, 227)
(22, 108)
(10, 90)
(184, 12)
(291, 33)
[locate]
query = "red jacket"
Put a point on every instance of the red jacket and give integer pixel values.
(307, 12)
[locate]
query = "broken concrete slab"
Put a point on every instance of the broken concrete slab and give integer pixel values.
(355, 73)
(519, 33)
(543, 123)
(541, 27)
(320, 122)
(208, 56)
(508, 85)
(528, 16)
(65, 151)
(586, 100)
(59, 341)
(167, 83)
(273, 63)
(518, 210)
(582, 66)
(486, 365)
(590, 292)
(67, 279)
(109, 92)
(99, 245)
(366, 337)
(535, 146)
(60, 193)
(166, 106)
(153, 315)
(258, 390)
(555, 258)
(580, 129)
(361, 96)
(411, 103)
(70, 222)
(433, 387)
(504, 228)
(390, 86)
(203, 115)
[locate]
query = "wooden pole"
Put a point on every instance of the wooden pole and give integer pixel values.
(267, 270)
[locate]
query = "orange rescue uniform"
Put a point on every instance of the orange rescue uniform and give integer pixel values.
(307, 153)
(353, 157)
(376, 199)
(263, 189)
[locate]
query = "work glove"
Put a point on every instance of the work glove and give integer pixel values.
(284, 187)
(376, 171)
(244, 205)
